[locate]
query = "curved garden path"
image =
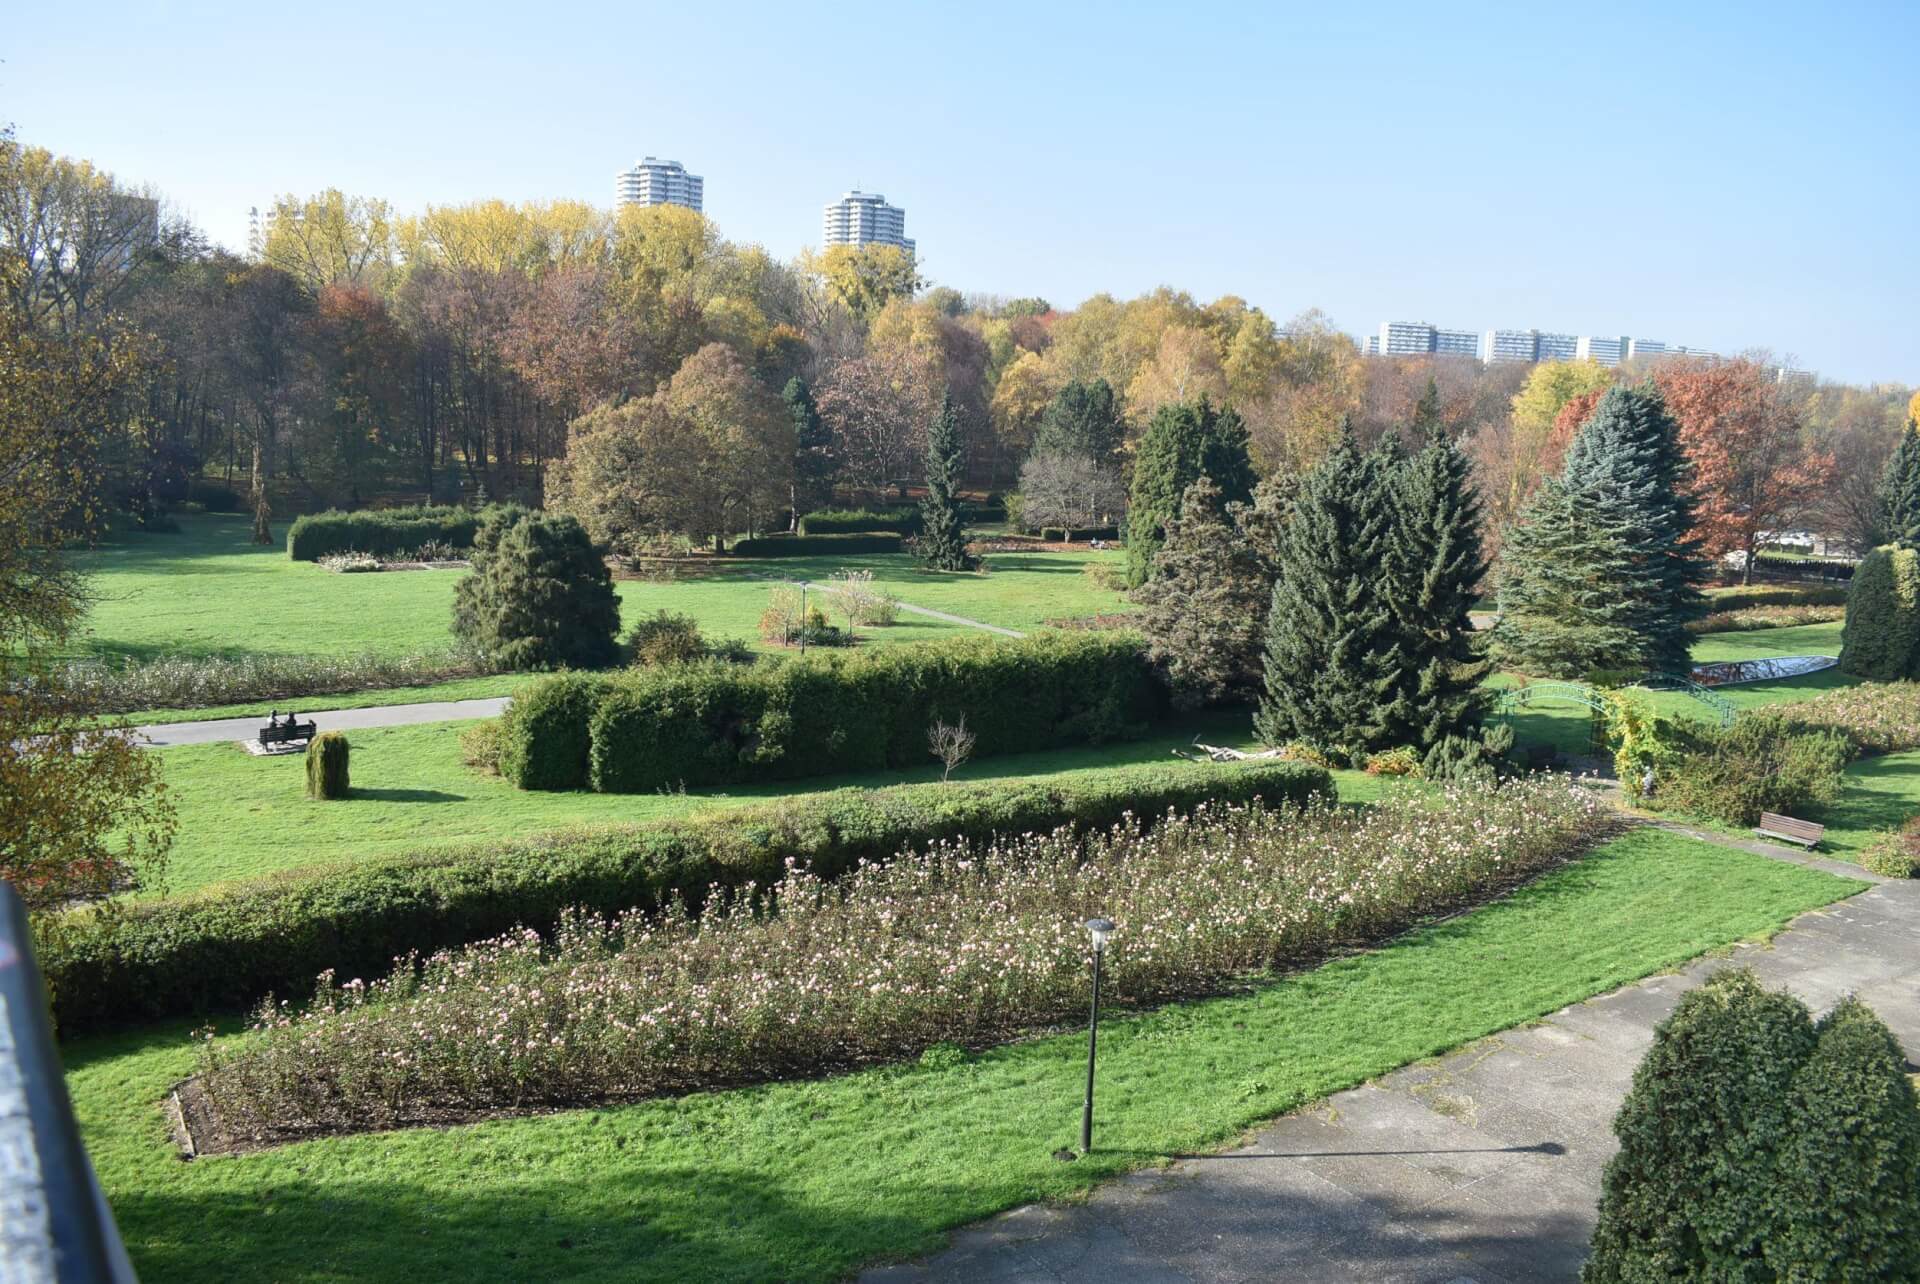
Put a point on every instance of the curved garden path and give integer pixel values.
(1478, 1168)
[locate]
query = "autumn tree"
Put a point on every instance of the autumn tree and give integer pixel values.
(82, 809)
(78, 240)
(1185, 367)
(1063, 488)
(1754, 472)
(864, 278)
(330, 239)
(877, 408)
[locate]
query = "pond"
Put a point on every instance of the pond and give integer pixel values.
(1728, 672)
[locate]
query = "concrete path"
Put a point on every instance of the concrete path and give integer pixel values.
(165, 734)
(1480, 1168)
(932, 614)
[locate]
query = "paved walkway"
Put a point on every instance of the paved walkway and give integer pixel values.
(1481, 1168)
(932, 614)
(162, 735)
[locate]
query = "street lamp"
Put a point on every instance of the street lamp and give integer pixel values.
(1100, 929)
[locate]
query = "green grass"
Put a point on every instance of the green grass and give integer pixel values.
(242, 816)
(810, 1180)
(207, 591)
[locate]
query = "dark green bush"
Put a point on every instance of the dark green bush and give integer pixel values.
(1757, 1146)
(544, 742)
(1077, 534)
(1881, 639)
(666, 638)
(1689, 1195)
(327, 775)
(1763, 762)
(1805, 567)
(540, 595)
(899, 520)
(228, 949)
(214, 497)
(825, 713)
(815, 545)
(382, 532)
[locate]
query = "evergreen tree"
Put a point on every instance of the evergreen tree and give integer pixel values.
(540, 595)
(1206, 605)
(1689, 1196)
(1185, 441)
(943, 541)
(1426, 412)
(813, 461)
(1333, 649)
(1082, 419)
(1900, 489)
(1847, 1199)
(1433, 567)
(1600, 571)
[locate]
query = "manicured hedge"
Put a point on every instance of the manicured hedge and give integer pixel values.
(825, 713)
(1803, 568)
(232, 947)
(844, 521)
(815, 545)
(382, 532)
(1078, 534)
(1749, 596)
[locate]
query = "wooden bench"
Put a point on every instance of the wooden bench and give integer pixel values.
(1787, 829)
(287, 732)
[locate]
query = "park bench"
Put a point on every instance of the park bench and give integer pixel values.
(1787, 829)
(287, 731)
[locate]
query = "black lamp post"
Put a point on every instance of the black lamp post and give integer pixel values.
(1100, 929)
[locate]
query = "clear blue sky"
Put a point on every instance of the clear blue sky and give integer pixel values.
(1721, 175)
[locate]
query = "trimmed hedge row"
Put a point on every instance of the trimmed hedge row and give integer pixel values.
(382, 532)
(698, 725)
(1751, 595)
(1077, 534)
(1804, 568)
(815, 545)
(848, 521)
(231, 948)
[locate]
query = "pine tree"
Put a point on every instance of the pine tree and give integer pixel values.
(1333, 647)
(943, 541)
(1900, 489)
(540, 595)
(813, 461)
(1426, 412)
(1433, 567)
(1206, 605)
(1185, 441)
(1082, 419)
(1599, 571)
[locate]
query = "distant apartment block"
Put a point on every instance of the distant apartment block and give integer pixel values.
(652, 181)
(1372, 345)
(865, 218)
(1645, 349)
(1411, 338)
(1608, 350)
(1557, 347)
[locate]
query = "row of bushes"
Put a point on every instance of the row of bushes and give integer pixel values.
(700, 725)
(228, 948)
(815, 545)
(1077, 534)
(199, 682)
(946, 945)
(1805, 568)
(1766, 617)
(382, 532)
(1748, 596)
(901, 520)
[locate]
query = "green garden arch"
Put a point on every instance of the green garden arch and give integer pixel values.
(1522, 697)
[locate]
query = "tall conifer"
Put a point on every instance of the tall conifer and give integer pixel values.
(813, 461)
(1184, 441)
(1900, 489)
(943, 541)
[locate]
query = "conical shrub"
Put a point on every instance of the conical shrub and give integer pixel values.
(327, 765)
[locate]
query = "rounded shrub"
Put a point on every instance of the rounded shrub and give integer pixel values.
(1881, 640)
(1765, 761)
(327, 765)
(540, 596)
(665, 638)
(543, 741)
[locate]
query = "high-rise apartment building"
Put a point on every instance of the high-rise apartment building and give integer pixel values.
(659, 182)
(1608, 350)
(1645, 349)
(865, 218)
(1557, 347)
(1410, 338)
(1510, 345)
(1463, 343)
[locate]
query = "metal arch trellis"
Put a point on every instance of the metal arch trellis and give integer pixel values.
(1721, 706)
(1516, 698)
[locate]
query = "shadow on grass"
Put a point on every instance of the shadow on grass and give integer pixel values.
(406, 796)
(1880, 794)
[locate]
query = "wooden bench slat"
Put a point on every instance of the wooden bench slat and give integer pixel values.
(1804, 832)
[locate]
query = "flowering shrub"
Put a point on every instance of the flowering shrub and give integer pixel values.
(1879, 717)
(1401, 760)
(350, 563)
(1895, 855)
(1766, 617)
(950, 945)
(191, 682)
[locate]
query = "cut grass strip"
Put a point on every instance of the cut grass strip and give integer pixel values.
(812, 1180)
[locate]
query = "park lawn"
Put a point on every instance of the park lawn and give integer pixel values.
(242, 816)
(810, 1180)
(1878, 795)
(207, 591)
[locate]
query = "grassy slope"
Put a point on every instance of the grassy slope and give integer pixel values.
(207, 591)
(809, 1180)
(412, 790)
